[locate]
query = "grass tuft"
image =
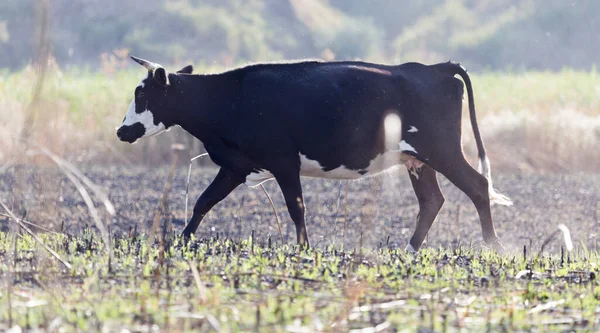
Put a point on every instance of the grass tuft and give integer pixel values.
(224, 284)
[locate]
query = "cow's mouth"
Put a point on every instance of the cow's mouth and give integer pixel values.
(131, 133)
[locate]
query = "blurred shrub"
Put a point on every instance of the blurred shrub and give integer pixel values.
(496, 34)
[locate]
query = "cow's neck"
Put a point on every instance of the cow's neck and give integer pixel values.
(203, 101)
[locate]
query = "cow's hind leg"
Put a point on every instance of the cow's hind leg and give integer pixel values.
(225, 182)
(290, 185)
(456, 168)
(431, 200)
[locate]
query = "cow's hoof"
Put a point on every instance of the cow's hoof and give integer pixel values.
(495, 244)
(410, 249)
(303, 246)
(186, 237)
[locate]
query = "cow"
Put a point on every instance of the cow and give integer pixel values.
(338, 119)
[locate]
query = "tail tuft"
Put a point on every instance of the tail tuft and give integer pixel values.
(499, 198)
(495, 196)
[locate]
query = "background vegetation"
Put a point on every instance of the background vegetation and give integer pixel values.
(534, 121)
(491, 34)
(67, 80)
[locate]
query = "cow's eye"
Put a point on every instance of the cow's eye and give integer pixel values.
(139, 93)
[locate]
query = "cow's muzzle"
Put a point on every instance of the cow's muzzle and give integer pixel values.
(131, 133)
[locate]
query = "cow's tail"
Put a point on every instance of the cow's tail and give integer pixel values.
(484, 162)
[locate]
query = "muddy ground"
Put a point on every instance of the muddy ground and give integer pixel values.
(378, 208)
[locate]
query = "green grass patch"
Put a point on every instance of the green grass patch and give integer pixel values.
(250, 286)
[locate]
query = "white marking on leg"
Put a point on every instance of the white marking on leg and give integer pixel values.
(410, 249)
(413, 130)
(405, 146)
(413, 166)
(414, 172)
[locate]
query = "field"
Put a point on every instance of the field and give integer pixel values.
(238, 276)
(542, 131)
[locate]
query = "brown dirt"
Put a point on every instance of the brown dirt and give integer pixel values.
(378, 208)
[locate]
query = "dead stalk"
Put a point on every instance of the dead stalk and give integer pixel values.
(187, 186)
(11, 259)
(92, 208)
(199, 284)
(78, 179)
(163, 207)
(274, 212)
(43, 54)
(95, 189)
(64, 165)
(35, 237)
(345, 213)
(561, 228)
(33, 224)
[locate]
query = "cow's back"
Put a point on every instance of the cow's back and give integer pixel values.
(331, 112)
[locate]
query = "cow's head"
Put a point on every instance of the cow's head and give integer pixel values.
(152, 109)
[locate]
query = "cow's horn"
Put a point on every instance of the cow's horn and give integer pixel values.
(147, 64)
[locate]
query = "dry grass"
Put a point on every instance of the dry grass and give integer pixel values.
(537, 121)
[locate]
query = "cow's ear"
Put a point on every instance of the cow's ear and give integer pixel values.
(161, 75)
(186, 70)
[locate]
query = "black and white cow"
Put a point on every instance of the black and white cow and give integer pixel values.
(342, 120)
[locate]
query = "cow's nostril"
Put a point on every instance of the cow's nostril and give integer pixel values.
(120, 132)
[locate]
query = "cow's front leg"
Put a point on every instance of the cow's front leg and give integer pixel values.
(225, 182)
(289, 182)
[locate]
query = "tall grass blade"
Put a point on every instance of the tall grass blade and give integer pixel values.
(35, 237)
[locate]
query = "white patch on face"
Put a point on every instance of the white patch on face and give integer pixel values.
(255, 179)
(405, 146)
(142, 84)
(146, 118)
(413, 130)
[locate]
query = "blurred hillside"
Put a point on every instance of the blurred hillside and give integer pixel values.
(490, 34)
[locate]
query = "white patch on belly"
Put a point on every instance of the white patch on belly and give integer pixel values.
(387, 161)
(255, 179)
(405, 146)
(312, 168)
(413, 130)
(382, 162)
